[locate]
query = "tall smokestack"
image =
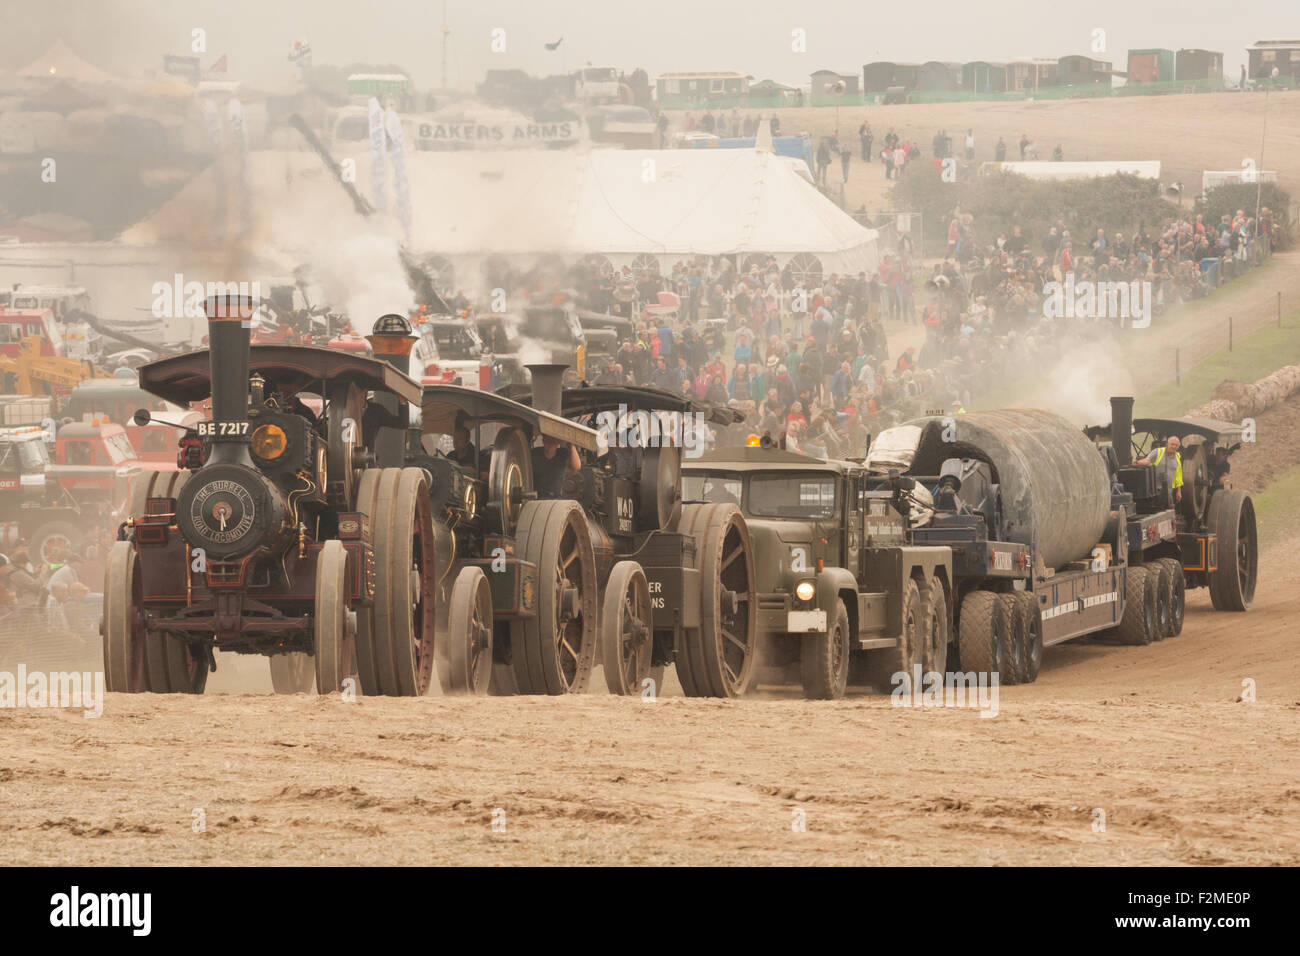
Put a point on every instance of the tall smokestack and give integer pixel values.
(548, 385)
(229, 331)
(1121, 429)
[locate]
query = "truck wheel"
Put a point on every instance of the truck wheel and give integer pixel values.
(717, 659)
(293, 673)
(403, 636)
(124, 639)
(1178, 596)
(824, 659)
(334, 637)
(626, 629)
(1158, 577)
(1232, 518)
(934, 656)
(469, 633)
(554, 652)
(175, 666)
(1010, 628)
(1138, 625)
(908, 653)
(979, 646)
(54, 536)
(1031, 624)
(367, 675)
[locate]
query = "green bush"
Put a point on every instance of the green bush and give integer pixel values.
(1001, 200)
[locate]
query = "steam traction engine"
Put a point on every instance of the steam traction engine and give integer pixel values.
(677, 579)
(279, 533)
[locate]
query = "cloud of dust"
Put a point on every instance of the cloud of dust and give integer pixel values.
(1081, 382)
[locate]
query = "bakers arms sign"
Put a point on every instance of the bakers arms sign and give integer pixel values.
(496, 134)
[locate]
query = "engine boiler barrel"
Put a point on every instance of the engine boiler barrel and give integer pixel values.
(1055, 488)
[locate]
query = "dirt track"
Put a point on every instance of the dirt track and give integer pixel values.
(1153, 736)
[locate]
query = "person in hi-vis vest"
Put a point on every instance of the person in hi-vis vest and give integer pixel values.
(1169, 466)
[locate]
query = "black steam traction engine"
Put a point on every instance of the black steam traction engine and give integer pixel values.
(283, 531)
(517, 594)
(677, 579)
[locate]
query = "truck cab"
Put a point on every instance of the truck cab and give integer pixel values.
(19, 324)
(831, 557)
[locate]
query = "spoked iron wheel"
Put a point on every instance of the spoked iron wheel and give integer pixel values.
(124, 643)
(398, 644)
(469, 633)
(627, 629)
(553, 653)
(1232, 518)
(334, 637)
(716, 660)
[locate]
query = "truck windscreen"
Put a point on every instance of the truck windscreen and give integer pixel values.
(792, 496)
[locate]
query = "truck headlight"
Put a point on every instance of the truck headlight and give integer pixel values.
(804, 590)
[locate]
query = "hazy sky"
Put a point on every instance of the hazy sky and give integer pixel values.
(752, 36)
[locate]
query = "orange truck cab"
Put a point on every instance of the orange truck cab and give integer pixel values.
(19, 324)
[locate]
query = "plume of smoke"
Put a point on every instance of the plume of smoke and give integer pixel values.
(1080, 383)
(362, 276)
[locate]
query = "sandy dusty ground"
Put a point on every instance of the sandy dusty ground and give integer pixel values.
(1154, 737)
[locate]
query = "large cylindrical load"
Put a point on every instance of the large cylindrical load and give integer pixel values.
(1121, 429)
(548, 387)
(1055, 488)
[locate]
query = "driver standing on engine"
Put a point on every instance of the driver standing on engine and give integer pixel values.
(1169, 467)
(550, 466)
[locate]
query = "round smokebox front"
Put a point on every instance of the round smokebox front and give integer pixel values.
(227, 510)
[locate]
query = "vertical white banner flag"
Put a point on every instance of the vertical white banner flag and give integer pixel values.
(235, 116)
(378, 156)
(401, 187)
(212, 122)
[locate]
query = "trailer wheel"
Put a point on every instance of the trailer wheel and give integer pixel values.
(403, 637)
(979, 646)
(469, 633)
(934, 656)
(553, 653)
(824, 659)
(1178, 596)
(1232, 518)
(626, 629)
(124, 637)
(1158, 577)
(334, 637)
(1031, 623)
(909, 652)
(1010, 627)
(716, 659)
(1138, 625)
(367, 498)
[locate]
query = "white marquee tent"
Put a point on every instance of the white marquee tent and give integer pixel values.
(469, 206)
